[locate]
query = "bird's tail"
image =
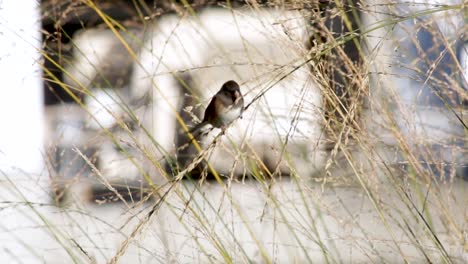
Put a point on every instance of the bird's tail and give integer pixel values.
(198, 128)
(197, 132)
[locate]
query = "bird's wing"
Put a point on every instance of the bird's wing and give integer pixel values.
(209, 112)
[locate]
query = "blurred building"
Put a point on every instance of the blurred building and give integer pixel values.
(134, 82)
(160, 64)
(425, 90)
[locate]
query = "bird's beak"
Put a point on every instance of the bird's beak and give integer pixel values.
(237, 95)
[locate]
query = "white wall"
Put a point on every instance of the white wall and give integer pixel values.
(21, 107)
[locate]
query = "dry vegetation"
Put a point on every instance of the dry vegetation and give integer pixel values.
(386, 187)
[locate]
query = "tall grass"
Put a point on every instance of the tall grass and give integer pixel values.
(379, 190)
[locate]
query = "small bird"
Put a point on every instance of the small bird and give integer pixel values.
(226, 106)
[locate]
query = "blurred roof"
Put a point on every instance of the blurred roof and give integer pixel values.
(58, 13)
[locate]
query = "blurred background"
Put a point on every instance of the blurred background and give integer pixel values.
(352, 148)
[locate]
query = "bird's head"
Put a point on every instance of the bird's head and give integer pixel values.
(230, 86)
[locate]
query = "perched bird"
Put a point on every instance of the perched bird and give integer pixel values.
(226, 106)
